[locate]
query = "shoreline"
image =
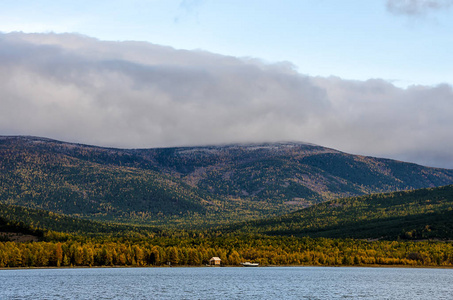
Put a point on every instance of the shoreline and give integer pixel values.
(232, 266)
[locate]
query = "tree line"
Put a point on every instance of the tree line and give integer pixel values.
(197, 250)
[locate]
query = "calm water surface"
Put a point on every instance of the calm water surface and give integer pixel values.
(227, 283)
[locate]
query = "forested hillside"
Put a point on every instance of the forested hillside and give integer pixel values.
(400, 217)
(38, 222)
(36, 177)
(419, 214)
(291, 173)
(193, 185)
(102, 244)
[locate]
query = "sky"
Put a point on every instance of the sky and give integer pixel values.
(365, 77)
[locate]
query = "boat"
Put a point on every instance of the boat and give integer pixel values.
(249, 264)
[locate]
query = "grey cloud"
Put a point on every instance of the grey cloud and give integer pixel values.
(130, 94)
(417, 7)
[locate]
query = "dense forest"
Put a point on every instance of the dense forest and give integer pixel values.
(196, 251)
(37, 221)
(66, 241)
(198, 186)
(419, 214)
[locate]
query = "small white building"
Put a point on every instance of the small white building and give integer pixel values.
(215, 261)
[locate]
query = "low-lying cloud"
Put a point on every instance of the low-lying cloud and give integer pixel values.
(132, 94)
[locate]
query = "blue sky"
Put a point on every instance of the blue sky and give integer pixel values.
(347, 38)
(365, 77)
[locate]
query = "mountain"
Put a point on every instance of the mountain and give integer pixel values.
(291, 173)
(419, 214)
(193, 185)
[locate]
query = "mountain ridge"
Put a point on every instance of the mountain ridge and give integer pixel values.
(195, 184)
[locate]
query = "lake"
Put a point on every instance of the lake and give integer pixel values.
(227, 283)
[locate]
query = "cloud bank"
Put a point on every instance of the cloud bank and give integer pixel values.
(133, 94)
